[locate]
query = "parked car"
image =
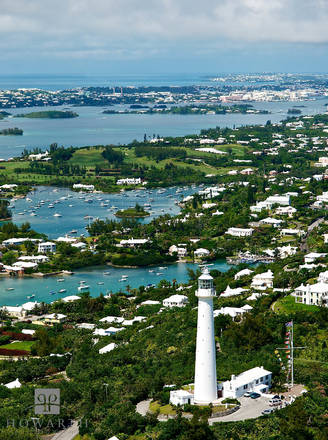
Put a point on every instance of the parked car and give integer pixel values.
(255, 395)
(248, 394)
(266, 412)
(275, 402)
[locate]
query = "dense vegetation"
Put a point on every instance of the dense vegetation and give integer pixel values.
(50, 114)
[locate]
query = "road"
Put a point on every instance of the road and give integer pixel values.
(249, 409)
(315, 224)
(67, 434)
(143, 407)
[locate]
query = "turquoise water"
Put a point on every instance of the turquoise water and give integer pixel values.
(162, 201)
(92, 127)
(73, 207)
(41, 288)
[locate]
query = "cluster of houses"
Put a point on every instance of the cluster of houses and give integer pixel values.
(44, 248)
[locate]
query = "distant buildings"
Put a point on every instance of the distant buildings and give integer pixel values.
(83, 187)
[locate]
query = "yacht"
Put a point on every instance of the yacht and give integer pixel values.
(10, 288)
(62, 291)
(83, 287)
(100, 283)
(57, 215)
(60, 280)
(106, 273)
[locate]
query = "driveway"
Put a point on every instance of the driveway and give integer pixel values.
(67, 434)
(249, 409)
(143, 407)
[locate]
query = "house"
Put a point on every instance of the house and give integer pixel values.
(312, 257)
(323, 277)
(286, 210)
(54, 318)
(255, 380)
(233, 312)
(180, 250)
(18, 241)
(19, 311)
(107, 348)
(243, 273)
(46, 247)
(297, 232)
(71, 298)
(323, 162)
(233, 292)
(83, 187)
(271, 221)
(25, 265)
(247, 171)
(283, 200)
(132, 242)
(201, 253)
(14, 384)
(107, 331)
(325, 238)
(129, 181)
(175, 301)
(112, 319)
(181, 397)
(263, 281)
(312, 294)
(86, 326)
(34, 258)
(149, 302)
(240, 232)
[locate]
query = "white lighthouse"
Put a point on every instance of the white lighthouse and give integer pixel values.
(205, 388)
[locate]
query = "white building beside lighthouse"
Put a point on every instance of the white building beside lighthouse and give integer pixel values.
(205, 387)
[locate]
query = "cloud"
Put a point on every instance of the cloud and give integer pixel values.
(137, 28)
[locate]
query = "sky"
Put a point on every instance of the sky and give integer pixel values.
(162, 36)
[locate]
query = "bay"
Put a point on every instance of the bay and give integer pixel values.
(41, 287)
(93, 127)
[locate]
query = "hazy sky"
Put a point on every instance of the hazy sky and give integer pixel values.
(98, 36)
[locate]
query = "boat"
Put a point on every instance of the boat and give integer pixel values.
(60, 280)
(10, 288)
(100, 283)
(62, 291)
(83, 287)
(57, 215)
(106, 273)
(159, 273)
(33, 214)
(162, 267)
(151, 270)
(73, 231)
(122, 280)
(52, 293)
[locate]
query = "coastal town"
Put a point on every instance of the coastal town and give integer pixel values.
(252, 197)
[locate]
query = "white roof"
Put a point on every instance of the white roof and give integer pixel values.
(250, 375)
(112, 319)
(14, 384)
(176, 298)
(30, 305)
(149, 302)
(55, 316)
(202, 251)
(107, 348)
(71, 298)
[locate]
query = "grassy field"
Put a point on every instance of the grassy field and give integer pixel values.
(21, 345)
(166, 409)
(287, 305)
(88, 157)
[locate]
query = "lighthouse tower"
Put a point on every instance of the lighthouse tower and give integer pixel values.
(205, 388)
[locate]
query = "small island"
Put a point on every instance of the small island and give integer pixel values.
(136, 212)
(205, 109)
(51, 114)
(294, 111)
(11, 132)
